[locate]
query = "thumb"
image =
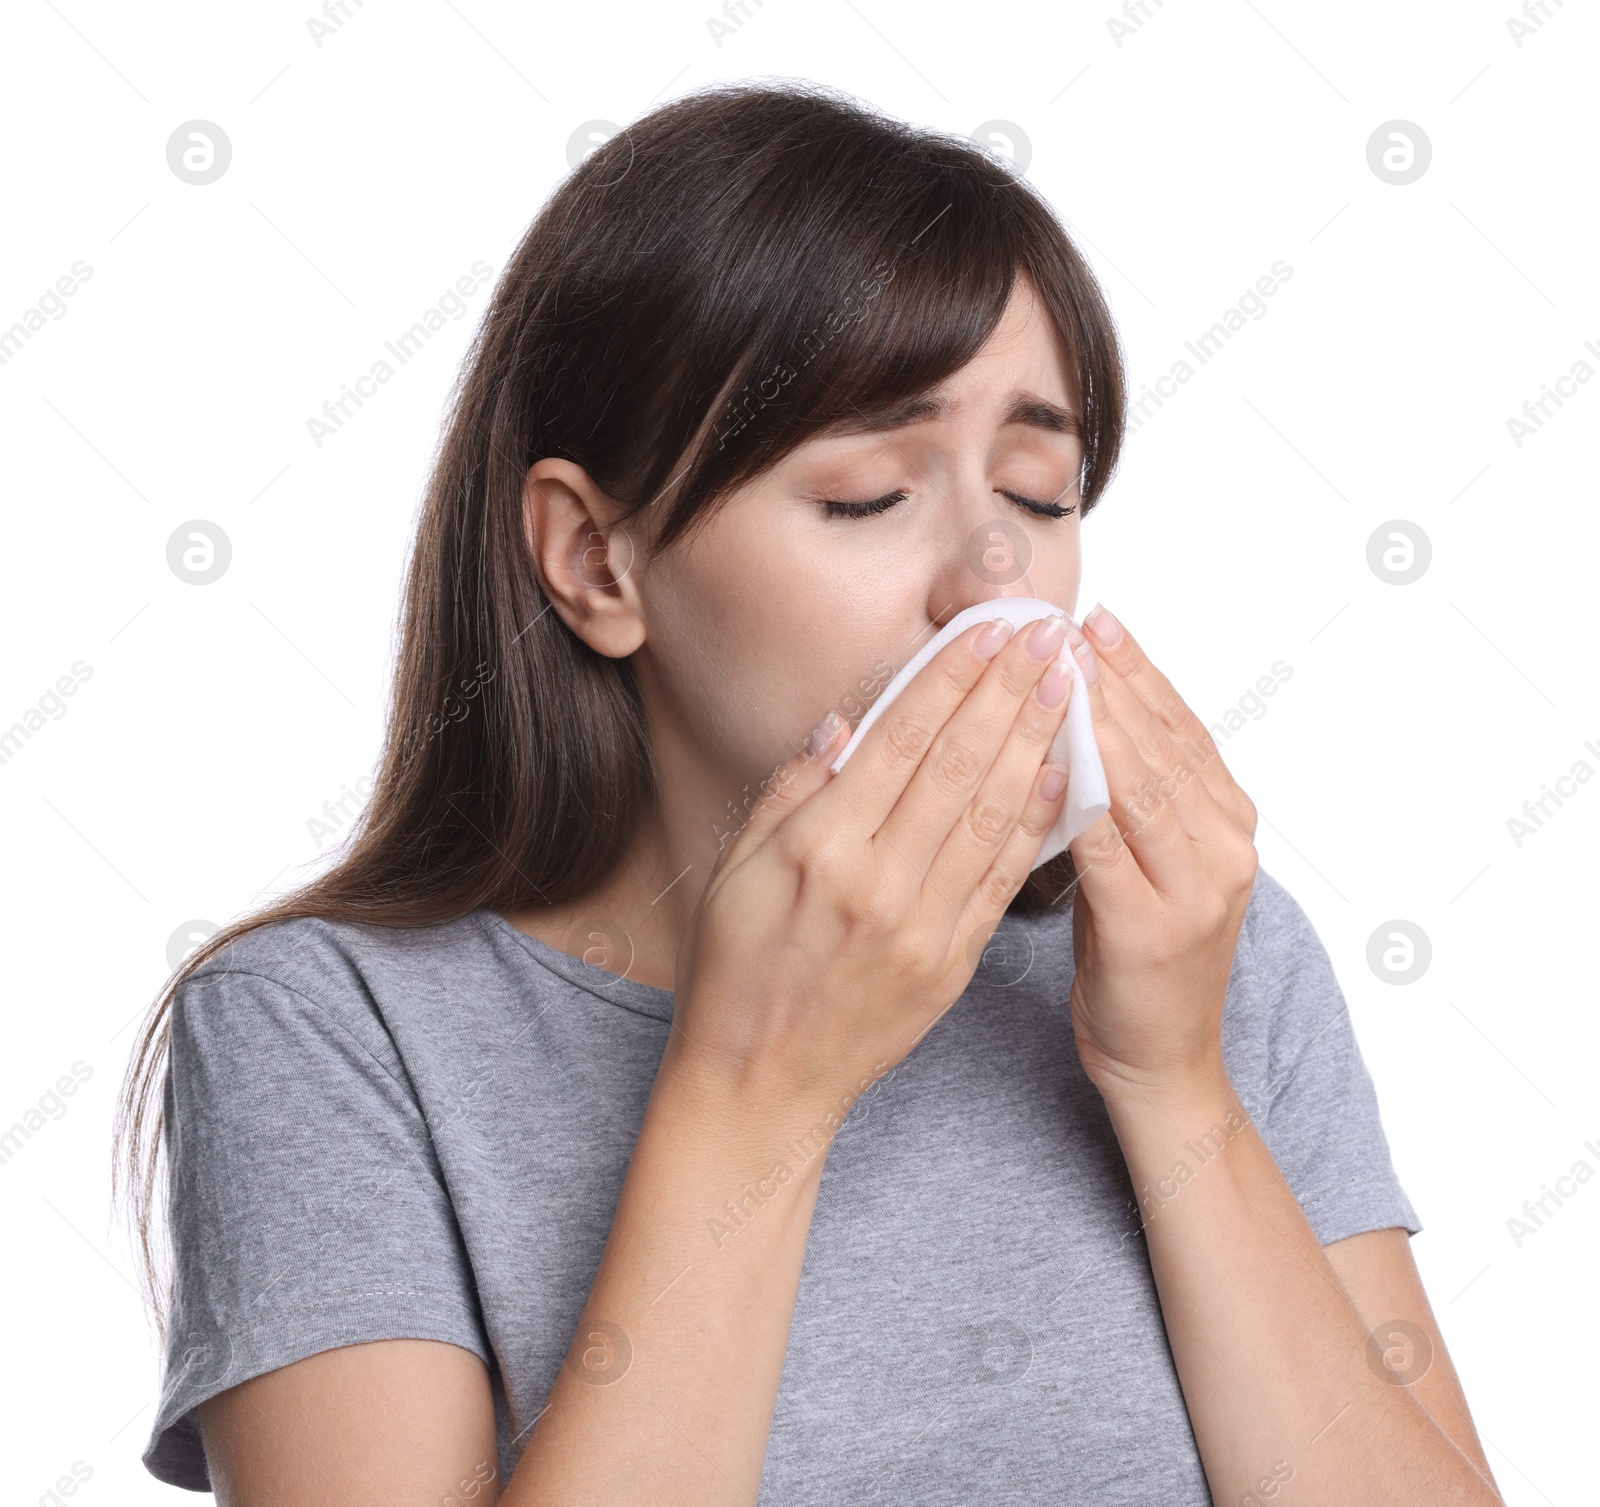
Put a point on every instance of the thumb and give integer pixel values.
(790, 785)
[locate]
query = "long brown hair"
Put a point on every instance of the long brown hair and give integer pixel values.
(700, 295)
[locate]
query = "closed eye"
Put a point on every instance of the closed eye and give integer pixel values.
(835, 509)
(1047, 509)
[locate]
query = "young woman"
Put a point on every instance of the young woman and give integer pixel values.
(638, 1112)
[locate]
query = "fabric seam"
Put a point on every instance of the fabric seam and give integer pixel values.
(321, 1009)
(487, 919)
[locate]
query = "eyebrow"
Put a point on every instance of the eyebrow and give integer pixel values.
(1024, 408)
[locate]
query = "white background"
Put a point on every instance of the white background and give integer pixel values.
(369, 173)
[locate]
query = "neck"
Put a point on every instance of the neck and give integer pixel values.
(634, 921)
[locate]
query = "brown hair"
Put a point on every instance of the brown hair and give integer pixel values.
(700, 295)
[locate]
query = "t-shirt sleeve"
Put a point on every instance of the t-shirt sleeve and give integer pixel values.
(306, 1203)
(1317, 1111)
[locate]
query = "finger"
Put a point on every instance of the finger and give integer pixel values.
(1142, 807)
(994, 838)
(943, 793)
(1008, 870)
(875, 777)
(1118, 648)
(789, 786)
(1174, 764)
(1108, 873)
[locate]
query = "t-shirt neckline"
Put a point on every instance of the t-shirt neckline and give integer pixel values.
(615, 988)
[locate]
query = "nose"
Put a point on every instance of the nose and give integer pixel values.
(991, 559)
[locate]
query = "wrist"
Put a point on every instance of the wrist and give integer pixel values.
(1178, 1096)
(761, 1113)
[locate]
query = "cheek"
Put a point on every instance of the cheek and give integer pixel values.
(748, 677)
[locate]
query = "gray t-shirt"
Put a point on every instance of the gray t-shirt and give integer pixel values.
(382, 1133)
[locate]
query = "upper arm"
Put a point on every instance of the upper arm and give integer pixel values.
(318, 1258)
(383, 1424)
(1380, 1277)
(1315, 1103)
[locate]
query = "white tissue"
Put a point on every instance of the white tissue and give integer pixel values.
(1074, 746)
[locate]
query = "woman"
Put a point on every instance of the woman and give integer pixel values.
(639, 1112)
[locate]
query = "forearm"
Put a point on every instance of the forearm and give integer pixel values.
(668, 1392)
(1272, 1356)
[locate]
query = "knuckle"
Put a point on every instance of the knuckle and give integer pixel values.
(998, 886)
(1154, 745)
(812, 850)
(1102, 844)
(1017, 675)
(1171, 709)
(906, 738)
(1035, 820)
(989, 819)
(1144, 800)
(955, 764)
(876, 907)
(906, 951)
(1036, 723)
(955, 678)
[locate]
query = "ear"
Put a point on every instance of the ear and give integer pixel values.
(585, 557)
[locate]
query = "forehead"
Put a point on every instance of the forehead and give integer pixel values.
(1021, 369)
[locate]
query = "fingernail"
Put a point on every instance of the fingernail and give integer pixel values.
(1052, 689)
(987, 644)
(1053, 783)
(1044, 638)
(1091, 671)
(825, 732)
(1104, 627)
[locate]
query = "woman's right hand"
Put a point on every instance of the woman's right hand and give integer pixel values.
(851, 910)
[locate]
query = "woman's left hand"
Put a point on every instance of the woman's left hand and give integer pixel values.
(1164, 880)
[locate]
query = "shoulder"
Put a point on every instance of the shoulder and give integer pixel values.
(1275, 923)
(1286, 966)
(312, 976)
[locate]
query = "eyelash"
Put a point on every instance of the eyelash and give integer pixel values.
(884, 503)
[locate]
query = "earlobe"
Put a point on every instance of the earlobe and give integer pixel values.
(583, 556)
